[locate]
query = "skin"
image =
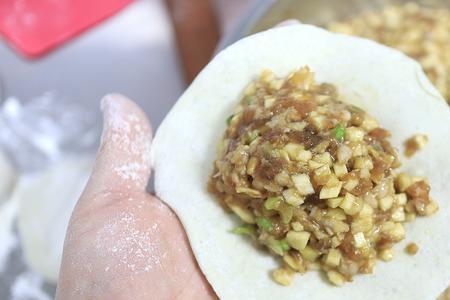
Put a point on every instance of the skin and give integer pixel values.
(122, 242)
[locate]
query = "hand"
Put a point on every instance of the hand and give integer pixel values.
(123, 243)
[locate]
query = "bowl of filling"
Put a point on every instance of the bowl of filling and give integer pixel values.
(309, 164)
(420, 29)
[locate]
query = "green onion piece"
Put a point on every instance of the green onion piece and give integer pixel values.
(284, 245)
(278, 246)
(339, 132)
(267, 148)
(264, 223)
(253, 136)
(377, 147)
(354, 108)
(286, 213)
(244, 230)
(272, 202)
(229, 119)
(249, 100)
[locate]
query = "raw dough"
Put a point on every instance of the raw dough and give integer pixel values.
(46, 201)
(384, 82)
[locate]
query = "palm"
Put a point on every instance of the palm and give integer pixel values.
(123, 243)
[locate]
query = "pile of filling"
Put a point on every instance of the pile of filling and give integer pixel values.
(312, 178)
(423, 33)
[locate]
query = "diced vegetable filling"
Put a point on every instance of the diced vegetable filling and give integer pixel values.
(313, 179)
(421, 32)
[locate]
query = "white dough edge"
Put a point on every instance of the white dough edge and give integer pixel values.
(383, 81)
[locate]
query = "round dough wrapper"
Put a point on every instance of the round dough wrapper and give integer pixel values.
(45, 203)
(384, 82)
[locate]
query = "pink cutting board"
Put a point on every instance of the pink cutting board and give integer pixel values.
(34, 27)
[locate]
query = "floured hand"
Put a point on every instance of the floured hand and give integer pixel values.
(123, 243)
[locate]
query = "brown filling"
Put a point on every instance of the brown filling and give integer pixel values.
(314, 178)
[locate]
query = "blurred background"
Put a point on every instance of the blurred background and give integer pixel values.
(59, 57)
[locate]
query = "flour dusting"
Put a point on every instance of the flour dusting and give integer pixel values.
(128, 132)
(129, 171)
(132, 248)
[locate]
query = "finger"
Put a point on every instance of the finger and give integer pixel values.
(124, 155)
(123, 160)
